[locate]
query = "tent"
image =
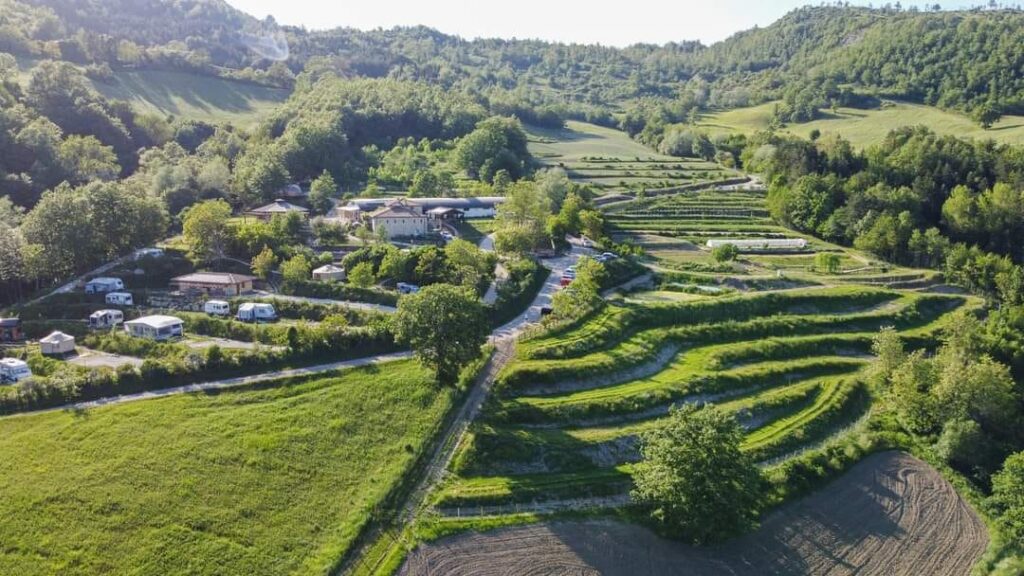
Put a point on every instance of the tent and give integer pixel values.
(57, 344)
(329, 273)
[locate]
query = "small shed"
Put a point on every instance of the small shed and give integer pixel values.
(57, 344)
(213, 283)
(11, 330)
(329, 273)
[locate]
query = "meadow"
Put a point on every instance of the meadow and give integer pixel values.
(184, 95)
(273, 479)
(866, 127)
(609, 160)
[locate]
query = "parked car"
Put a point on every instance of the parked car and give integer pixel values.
(106, 319)
(447, 236)
(546, 310)
(404, 288)
(565, 281)
(119, 299)
(217, 308)
(609, 256)
(586, 242)
(256, 312)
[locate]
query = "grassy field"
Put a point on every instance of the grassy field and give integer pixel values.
(865, 127)
(272, 480)
(187, 95)
(609, 159)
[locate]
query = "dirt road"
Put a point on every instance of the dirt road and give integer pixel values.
(891, 514)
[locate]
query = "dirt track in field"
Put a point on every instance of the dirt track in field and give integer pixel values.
(891, 514)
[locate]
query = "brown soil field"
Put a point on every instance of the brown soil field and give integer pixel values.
(890, 514)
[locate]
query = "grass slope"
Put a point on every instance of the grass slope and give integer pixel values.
(185, 95)
(866, 127)
(273, 480)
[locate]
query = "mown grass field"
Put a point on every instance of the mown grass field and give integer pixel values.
(866, 127)
(185, 95)
(276, 479)
(608, 159)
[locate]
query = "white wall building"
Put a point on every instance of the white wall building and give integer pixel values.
(399, 219)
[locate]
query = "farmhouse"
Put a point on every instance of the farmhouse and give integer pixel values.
(279, 206)
(155, 327)
(399, 219)
(57, 344)
(213, 283)
(329, 273)
(11, 330)
(761, 244)
(477, 207)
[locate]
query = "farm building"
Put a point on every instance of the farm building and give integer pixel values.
(155, 327)
(329, 273)
(445, 214)
(103, 285)
(13, 370)
(213, 283)
(279, 206)
(477, 207)
(57, 344)
(105, 318)
(11, 330)
(761, 244)
(399, 219)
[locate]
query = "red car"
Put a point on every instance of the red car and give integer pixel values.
(565, 281)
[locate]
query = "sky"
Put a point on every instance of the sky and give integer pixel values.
(619, 23)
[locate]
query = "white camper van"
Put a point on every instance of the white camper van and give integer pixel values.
(120, 299)
(13, 370)
(256, 312)
(217, 308)
(106, 318)
(103, 285)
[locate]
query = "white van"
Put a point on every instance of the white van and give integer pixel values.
(13, 370)
(256, 312)
(120, 299)
(106, 319)
(217, 308)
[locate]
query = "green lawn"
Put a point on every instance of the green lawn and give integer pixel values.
(186, 95)
(579, 140)
(865, 127)
(266, 481)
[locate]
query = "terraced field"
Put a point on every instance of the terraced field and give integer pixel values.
(611, 162)
(564, 418)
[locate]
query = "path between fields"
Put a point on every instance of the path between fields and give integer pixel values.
(221, 384)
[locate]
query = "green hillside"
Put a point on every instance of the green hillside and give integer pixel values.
(184, 95)
(865, 127)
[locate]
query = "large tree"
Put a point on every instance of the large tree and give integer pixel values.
(205, 227)
(445, 326)
(693, 479)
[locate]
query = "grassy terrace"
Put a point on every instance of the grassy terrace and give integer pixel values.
(567, 413)
(274, 479)
(610, 160)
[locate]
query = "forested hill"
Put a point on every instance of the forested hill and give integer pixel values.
(812, 57)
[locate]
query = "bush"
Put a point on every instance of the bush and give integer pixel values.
(335, 291)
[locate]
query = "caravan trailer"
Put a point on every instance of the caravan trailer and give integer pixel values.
(217, 308)
(13, 370)
(256, 312)
(103, 285)
(119, 299)
(105, 319)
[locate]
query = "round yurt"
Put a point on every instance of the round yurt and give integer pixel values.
(57, 344)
